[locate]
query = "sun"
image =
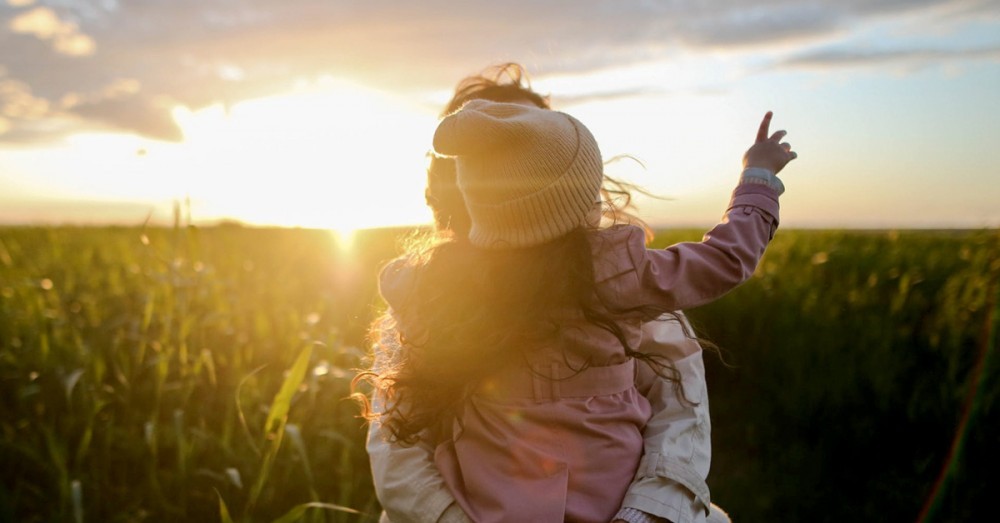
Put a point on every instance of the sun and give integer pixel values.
(330, 154)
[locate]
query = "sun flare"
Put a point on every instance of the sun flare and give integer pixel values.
(343, 238)
(328, 155)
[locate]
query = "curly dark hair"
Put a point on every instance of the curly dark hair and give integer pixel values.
(497, 301)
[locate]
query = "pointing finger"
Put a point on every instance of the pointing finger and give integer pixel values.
(778, 135)
(765, 124)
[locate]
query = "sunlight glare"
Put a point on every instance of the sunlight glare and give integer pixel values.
(331, 155)
(343, 238)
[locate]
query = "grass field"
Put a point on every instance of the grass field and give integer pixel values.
(201, 373)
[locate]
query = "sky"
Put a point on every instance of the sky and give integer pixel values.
(320, 113)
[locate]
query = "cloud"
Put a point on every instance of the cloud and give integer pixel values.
(65, 36)
(147, 116)
(200, 52)
(116, 106)
(17, 102)
(839, 58)
(604, 96)
(121, 105)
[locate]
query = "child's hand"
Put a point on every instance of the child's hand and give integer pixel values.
(768, 153)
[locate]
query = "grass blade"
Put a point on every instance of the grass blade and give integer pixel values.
(224, 516)
(299, 510)
(77, 496)
(274, 427)
(283, 401)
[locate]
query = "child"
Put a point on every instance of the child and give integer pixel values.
(518, 342)
(676, 437)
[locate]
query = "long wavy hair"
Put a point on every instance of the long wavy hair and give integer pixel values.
(479, 308)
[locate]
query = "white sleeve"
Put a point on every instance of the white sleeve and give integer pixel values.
(670, 482)
(407, 483)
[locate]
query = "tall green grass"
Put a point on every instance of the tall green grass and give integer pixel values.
(864, 383)
(147, 374)
(201, 374)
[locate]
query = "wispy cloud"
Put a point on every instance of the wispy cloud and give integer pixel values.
(603, 96)
(200, 52)
(44, 24)
(838, 58)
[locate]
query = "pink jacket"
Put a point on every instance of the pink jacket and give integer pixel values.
(535, 449)
(677, 448)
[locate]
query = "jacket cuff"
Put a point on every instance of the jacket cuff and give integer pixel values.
(656, 465)
(756, 195)
(759, 175)
(666, 500)
(435, 507)
(631, 515)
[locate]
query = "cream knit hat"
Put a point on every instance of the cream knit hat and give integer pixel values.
(528, 175)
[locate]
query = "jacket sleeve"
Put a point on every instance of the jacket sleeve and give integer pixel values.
(407, 483)
(690, 274)
(670, 480)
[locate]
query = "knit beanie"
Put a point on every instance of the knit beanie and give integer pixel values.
(528, 175)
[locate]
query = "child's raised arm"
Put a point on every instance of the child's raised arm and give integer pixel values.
(691, 274)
